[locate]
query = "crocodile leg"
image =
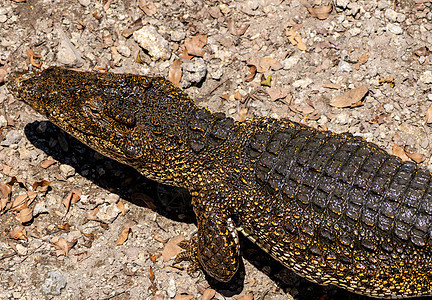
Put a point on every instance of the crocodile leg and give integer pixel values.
(216, 247)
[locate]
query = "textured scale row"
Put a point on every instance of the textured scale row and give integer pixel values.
(347, 177)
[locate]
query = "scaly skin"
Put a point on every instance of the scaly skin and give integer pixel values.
(332, 207)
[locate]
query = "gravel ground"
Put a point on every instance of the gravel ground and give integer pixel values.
(71, 252)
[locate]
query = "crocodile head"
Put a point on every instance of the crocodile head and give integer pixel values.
(100, 109)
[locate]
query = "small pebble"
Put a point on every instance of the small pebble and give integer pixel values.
(344, 66)
(194, 72)
(302, 83)
(53, 284)
(124, 50)
(12, 137)
(388, 107)
(391, 15)
(394, 28)
(84, 2)
(424, 143)
(21, 249)
(342, 3)
(3, 121)
(172, 289)
(426, 77)
(40, 208)
(383, 4)
(108, 213)
(178, 35)
(149, 39)
(67, 54)
(67, 170)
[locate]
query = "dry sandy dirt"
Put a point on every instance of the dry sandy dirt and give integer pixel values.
(72, 253)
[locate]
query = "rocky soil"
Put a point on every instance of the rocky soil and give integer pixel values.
(76, 225)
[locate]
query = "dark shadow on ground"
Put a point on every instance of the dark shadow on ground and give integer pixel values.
(173, 203)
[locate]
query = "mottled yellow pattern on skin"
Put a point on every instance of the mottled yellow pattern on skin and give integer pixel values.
(332, 207)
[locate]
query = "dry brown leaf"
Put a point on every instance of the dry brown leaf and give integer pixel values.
(43, 184)
(305, 109)
(248, 296)
(80, 256)
(31, 196)
(234, 30)
(225, 97)
(153, 258)
(321, 12)
(266, 63)
(251, 76)
(25, 215)
(120, 206)
(195, 45)
(48, 162)
(76, 195)
(7, 169)
(3, 73)
(12, 245)
(151, 275)
(351, 98)
(153, 287)
(208, 294)
(18, 233)
(242, 114)
(81, 25)
(59, 177)
(364, 58)
(237, 96)
(4, 202)
(63, 246)
(428, 116)
(175, 72)
(417, 157)
(12, 181)
(215, 12)
(295, 39)
(107, 5)
(399, 152)
(137, 24)
(387, 80)
(331, 85)
(185, 55)
(5, 190)
(124, 234)
(90, 236)
(171, 248)
(20, 202)
(148, 7)
(33, 57)
(323, 127)
(183, 297)
(92, 215)
(64, 226)
(71, 198)
(422, 51)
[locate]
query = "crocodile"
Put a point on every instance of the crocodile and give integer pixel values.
(334, 208)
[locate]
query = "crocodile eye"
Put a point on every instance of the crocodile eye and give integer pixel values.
(120, 114)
